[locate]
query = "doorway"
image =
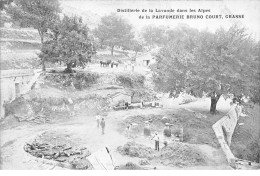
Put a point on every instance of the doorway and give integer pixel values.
(17, 90)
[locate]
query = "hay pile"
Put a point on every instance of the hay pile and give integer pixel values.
(175, 154)
(180, 154)
(130, 166)
(136, 150)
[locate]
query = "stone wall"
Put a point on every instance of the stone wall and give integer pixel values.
(224, 129)
(13, 84)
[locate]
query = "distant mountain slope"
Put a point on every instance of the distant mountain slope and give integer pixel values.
(90, 18)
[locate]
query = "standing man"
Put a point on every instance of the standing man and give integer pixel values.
(133, 67)
(129, 128)
(142, 103)
(98, 120)
(126, 105)
(167, 131)
(156, 139)
(103, 124)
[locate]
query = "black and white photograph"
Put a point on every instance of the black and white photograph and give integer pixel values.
(130, 85)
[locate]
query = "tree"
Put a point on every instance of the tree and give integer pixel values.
(137, 46)
(3, 3)
(35, 13)
(154, 35)
(70, 43)
(216, 64)
(134, 45)
(114, 31)
(256, 86)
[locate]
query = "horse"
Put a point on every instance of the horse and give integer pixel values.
(105, 63)
(114, 63)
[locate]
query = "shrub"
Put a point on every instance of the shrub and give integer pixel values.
(187, 99)
(84, 80)
(131, 81)
(80, 80)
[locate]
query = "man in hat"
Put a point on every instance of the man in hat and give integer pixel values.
(156, 139)
(103, 124)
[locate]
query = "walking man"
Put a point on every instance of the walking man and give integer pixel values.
(98, 120)
(156, 139)
(103, 124)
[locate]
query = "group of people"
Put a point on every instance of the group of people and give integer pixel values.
(147, 132)
(129, 127)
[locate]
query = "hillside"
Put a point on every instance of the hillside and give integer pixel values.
(90, 18)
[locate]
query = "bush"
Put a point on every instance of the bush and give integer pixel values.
(84, 80)
(80, 80)
(187, 99)
(131, 81)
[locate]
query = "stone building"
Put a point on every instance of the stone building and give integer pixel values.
(145, 60)
(13, 84)
(120, 98)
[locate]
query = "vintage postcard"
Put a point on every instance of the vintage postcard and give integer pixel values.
(130, 85)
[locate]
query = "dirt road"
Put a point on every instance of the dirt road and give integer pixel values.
(84, 131)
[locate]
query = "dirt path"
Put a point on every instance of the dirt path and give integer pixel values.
(84, 130)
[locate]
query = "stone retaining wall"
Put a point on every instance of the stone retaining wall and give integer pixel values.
(224, 129)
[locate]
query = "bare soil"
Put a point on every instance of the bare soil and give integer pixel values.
(84, 132)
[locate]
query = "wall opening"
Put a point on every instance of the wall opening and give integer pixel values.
(17, 90)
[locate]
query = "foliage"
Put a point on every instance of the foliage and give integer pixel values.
(137, 46)
(255, 98)
(134, 45)
(80, 80)
(218, 64)
(70, 43)
(84, 80)
(154, 35)
(35, 13)
(187, 99)
(113, 31)
(3, 3)
(131, 81)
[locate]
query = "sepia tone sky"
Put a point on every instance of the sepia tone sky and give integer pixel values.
(250, 10)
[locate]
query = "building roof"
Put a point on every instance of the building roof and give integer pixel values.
(119, 93)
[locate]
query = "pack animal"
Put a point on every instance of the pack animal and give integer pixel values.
(114, 64)
(105, 63)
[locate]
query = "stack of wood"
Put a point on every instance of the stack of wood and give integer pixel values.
(61, 153)
(39, 119)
